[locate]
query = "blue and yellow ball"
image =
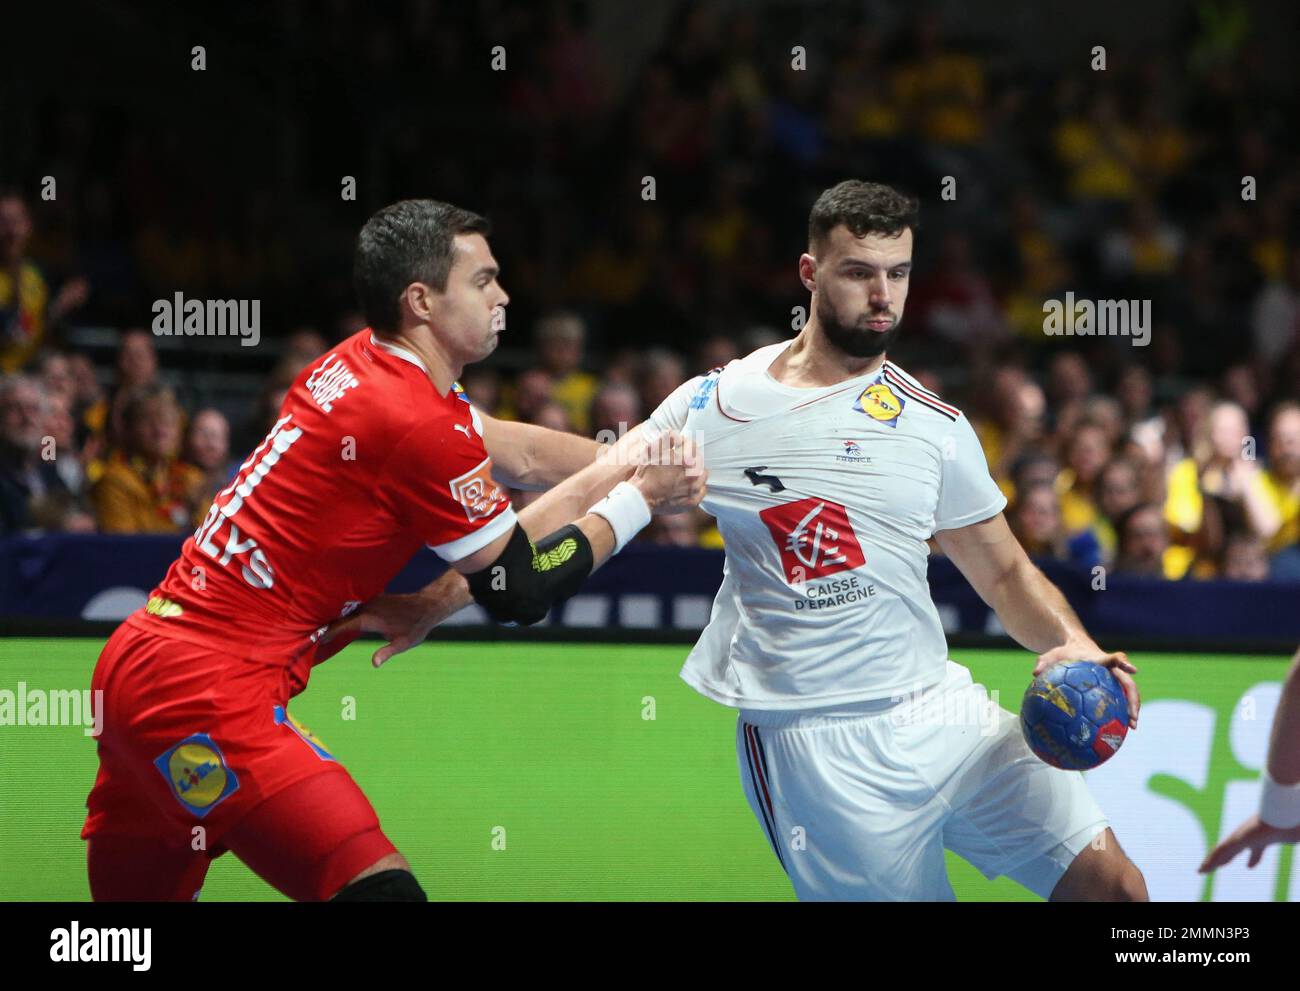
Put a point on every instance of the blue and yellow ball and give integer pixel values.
(1074, 715)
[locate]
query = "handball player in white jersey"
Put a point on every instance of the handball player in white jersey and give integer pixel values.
(864, 751)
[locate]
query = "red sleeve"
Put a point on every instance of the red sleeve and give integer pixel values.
(439, 481)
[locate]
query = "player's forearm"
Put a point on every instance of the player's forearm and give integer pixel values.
(571, 498)
(1034, 612)
(1284, 746)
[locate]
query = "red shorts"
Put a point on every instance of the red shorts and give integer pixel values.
(196, 743)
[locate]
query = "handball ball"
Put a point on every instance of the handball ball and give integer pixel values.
(1074, 715)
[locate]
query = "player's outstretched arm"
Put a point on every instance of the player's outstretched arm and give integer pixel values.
(516, 579)
(1031, 608)
(1278, 819)
(526, 456)
(663, 477)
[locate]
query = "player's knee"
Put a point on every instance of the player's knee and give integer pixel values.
(1129, 885)
(392, 885)
(1119, 883)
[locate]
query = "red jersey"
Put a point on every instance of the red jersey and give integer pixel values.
(366, 464)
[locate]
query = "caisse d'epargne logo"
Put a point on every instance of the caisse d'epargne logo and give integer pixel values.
(814, 537)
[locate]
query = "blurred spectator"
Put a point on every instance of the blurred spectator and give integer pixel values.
(1281, 484)
(61, 429)
(1086, 453)
(1034, 468)
(207, 447)
(561, 338)
(1186, 422)
(145, 487)
(87, 394)
(1036, 522)
(661, 373)
(1107, 413)
(56, 375)
(1119, 490)
(1134, 392)
(553, 416)
(1143, 543)
(137, 365)
(615, 410)
(1069, 380)
(32, 491)
(622, 367)
(531, 391)
(25, 305)
(1218, 490)
(1015, 424)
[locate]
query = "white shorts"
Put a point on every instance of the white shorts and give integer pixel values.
(860, 801)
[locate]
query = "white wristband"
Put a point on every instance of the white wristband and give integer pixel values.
(625, 510)
(1279, 805)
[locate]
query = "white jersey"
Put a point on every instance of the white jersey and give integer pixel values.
(825, 498)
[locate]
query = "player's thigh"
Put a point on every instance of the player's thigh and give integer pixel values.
(136, 850)
(314, 837)
(143, 869)
(845, 825)
(1013, 815)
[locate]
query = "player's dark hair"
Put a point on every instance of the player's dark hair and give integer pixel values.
(864, 208)
(409, 241)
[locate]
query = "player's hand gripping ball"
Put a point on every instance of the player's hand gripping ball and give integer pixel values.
(1074, 715)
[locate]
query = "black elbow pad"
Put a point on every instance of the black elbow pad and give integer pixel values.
(522, 584)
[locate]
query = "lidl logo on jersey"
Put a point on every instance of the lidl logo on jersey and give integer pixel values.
(814, 538)
(477, 492)
(881, 403)
(197, 773)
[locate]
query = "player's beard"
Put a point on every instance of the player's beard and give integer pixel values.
(856, 341)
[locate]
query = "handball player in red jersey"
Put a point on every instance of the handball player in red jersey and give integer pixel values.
(376, 453)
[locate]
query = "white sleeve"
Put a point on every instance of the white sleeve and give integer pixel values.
(967, 492)
(671, 414)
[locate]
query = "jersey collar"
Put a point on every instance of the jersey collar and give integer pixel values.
(397, 351)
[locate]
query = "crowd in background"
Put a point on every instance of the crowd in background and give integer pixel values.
(1179, 460)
